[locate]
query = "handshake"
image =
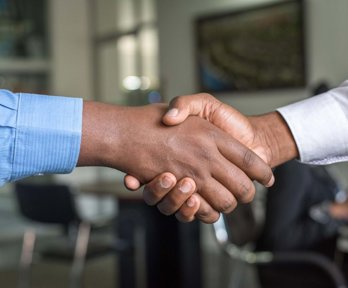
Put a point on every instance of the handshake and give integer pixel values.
(197, 158)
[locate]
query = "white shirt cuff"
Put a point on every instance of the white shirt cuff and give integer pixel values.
(319, 126)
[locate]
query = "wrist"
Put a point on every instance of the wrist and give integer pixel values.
(99, 134)
(123, 138)
(274, 135)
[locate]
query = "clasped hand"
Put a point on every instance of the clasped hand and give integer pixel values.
(208, 170)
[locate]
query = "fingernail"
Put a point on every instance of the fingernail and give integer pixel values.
(165, 182)
(271, 182)
(185, 187)
(172, 112)
(190, 202)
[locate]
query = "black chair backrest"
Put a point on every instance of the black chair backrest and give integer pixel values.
(48, 203)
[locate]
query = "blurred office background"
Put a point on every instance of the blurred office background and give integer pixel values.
(135, 52)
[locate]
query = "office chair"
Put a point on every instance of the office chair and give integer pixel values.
(241, 249)
(54, 204)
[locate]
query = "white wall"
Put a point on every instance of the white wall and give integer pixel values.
(71, 49)
(327, 43)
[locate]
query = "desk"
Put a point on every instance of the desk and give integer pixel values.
(167, 249)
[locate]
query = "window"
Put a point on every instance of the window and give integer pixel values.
(125, 48)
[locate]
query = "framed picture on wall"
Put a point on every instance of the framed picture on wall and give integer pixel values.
(253, 49)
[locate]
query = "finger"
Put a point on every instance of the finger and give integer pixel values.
(219, 197)
(206, 213)
(182, 107)
(131, 182)
(156, 189)
(233, 181)
(245, 159)
(187, 211)
(177, 196)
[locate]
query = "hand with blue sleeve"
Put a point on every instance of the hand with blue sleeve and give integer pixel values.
(49, 134)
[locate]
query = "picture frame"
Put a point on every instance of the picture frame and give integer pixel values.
(252, 49)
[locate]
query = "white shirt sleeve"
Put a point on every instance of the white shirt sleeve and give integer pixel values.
(319, 126)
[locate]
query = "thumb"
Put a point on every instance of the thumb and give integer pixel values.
(177, 112)
(190, 105)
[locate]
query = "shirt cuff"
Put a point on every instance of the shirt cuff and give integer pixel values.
(48, 135)
(320, 128)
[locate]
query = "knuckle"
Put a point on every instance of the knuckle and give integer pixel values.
(175, 102)
(249, 197)
(204, 213)
(212, 133)
(207, 215)
(247, 192)
(215, 218)
(249, 159)
(212, 218)
(228, 205)
(206, 96)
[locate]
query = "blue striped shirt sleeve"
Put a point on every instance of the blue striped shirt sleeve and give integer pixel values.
(38, 134)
